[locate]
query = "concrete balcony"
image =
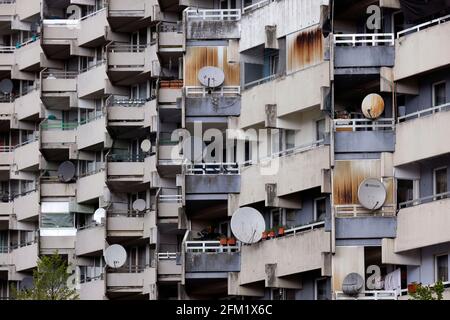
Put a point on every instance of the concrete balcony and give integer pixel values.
(169, 265)
(365, 227)
(27, 157)
(63, 243)
(364, 50)
(6, 160)
(58, 139)
(92, 135)
(6, 58)
(7, 112)
(28, 56)
(6, 210)
(59, 90)
(309, 245)
(94, 83)
(419, 41)
(91, 187)
(418, 125)
(128, 172)
(125, 225)
(90, 241)
(51, 187)
(205, 24)
(169, 159)
(169, 95)
(27, 9)
(26, 257)
(123, 115)
(312, 160)
(93, 30)
(223, 103)
(423, 225)
(27, 207)
(306, 82)
(207, 178)
(361, 135)
(59, 38)
(126, 17)
(29, 106)
(93, 290)
(131, 279)
(8, 8)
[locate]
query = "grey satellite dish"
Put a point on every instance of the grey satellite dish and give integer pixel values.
(115, 256)
(26, 283)
(6, 86)
(139, 205)
(372, 194)
(211, 77)
(66, 171)
(193, 148)
(353, 284)
(247, 224)
(99, 215)
(146, 145)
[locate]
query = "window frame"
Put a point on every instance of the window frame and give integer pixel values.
(315, 207)
(433, 92)
(434, 180)
(436, 266)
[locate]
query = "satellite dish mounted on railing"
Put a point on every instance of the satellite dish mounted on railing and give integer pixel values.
(99, 215)
(146, 145)
(211, 77)
(115, 256)
(352, 284)
(66, 171)
(247, 225)
(372, 194)
(139, 205)
(372, 106)
(6, 86)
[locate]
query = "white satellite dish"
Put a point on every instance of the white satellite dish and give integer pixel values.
(146, 145)
(247, 224)
(99, 215)
(372, 194)
(211, 77)
(115, 256)
(139, 205)
(372, 106)
(6, 86)
(193, 148)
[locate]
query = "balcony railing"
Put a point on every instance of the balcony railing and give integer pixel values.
(169, 195)
(425, 112)
(255, 83)
(4, 149)
(7, 49)
(301, 229)
(211, 246)
(212, 168)
(356, 211)
(58, 125)
(50, 75)
(423, 26)
(255, 6)
(214, 14)
(125, 213)
(418, 201)
(113, 102)
(363, 124)
(368, 295)
(135, 268)
(224, 91)
(126, 48)
(358, 39)
(126, 157)
(167, 255)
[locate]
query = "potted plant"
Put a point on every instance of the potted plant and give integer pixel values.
(265, 234)
(412, 287)
(281, 230)
(231, 241)
(223, 241)
(271, 233)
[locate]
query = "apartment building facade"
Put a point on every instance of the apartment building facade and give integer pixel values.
(112, 133)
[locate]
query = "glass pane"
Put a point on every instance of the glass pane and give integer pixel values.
(57, 220)
(439, 94)
(441, 180)
(321, 209)
(442, 268)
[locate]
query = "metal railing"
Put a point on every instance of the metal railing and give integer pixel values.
(7, 49)
(356, 210)
(212, 168)
(167, 255)
(427, 199)
(214, 14)
(58, 125)
(368, 295)
(113, 102)
(139, 268)
(51, 75)
(93, 66)
(371, 39)
(125, 213)
(7, 1)
(92, 14)
(255, 6)
(127, 48)
(301, 229)
(12, 148)
(425, 112)
(255, 83)
(126, 157)
(224, 91)
(364, 124)
(423, 26)
(211, 246)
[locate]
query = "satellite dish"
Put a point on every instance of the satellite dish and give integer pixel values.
(66, 171)
(139, 205)
(372, 194)
(372, 106)
(115, 256)
(99, 215)
(211, 77)
(146, 145)
(193, 148)
(353, 284)
(6, 86)
(247, 225)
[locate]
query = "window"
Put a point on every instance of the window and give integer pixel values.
(320, 209)
(320, 129)
(405, 190)
(276, 217)
(289, 139)
(441, 265)
(277, 294)
(439, 94)
(439, 181)
(291, 218)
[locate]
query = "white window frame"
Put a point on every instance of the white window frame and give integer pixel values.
(434, 179)
(315, 206)
(433, 94)
(436, 265)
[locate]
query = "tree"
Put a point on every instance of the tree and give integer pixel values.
(429, 292)
(50, 281)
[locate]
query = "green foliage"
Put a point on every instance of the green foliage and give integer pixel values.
(50, 281)
(429, 292)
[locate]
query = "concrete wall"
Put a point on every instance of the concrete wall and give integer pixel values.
(212, 262)
(204, 107)
(377, 56)
(345, 261)
(25, 258)
(27, 156)
(364, 141)
(90, 240)
(28, 105)
(27, 206)
(209, 29)
(425, 273)
(365, 228)
(93, 290)
(227, 183)
(90, 187)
